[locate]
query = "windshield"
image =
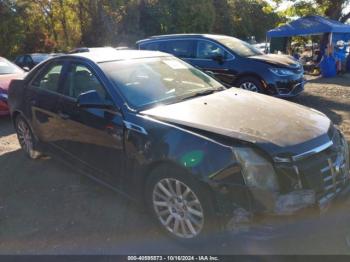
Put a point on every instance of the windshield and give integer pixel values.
(6, 67)
(240, 47)
(149, 81)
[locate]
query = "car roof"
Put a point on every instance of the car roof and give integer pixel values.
(38, 54)
(173, 36)
(41, 54)
(108, 54)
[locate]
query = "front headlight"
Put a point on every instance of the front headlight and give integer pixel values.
(257, 171)
(282, 72)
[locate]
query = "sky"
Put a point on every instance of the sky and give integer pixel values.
(285, 4)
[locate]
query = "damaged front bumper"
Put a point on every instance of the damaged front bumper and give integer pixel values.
(287, 209)
(292, 202)
(307, 184)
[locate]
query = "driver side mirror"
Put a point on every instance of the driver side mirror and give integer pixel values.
(26, 69)
(91, 99)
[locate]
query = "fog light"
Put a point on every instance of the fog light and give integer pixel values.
(289, 203)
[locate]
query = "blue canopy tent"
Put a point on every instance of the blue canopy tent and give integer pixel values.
(312, 25)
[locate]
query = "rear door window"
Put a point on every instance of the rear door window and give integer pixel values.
(155, 46)
(180, 48)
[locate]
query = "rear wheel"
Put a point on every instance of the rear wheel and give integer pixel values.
(26, 138)
(251, 84)
(181, 205)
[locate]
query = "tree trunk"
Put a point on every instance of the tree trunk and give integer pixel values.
(63, 19)
(345, 18)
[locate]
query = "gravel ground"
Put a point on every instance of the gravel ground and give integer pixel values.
(48, 208)
(330, 96)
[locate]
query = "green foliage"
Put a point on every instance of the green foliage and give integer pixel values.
(60, 25)
(252, 18)
(11, 29)
(224, 23)
(334, 9)
(303, 8)
(177, 16)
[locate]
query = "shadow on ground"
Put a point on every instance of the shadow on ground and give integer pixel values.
(341, 80)
(47, 207)
(6, 127)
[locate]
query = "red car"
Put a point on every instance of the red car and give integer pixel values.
(8, 71)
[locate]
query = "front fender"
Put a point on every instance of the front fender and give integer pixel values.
(162, 142)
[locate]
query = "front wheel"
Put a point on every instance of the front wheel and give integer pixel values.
(26, 138)
(181, 205)
(251, 84)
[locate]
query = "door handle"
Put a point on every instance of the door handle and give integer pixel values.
(33, 102)
(63, 115)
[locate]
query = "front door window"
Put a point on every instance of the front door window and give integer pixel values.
(81, 79)
(209, 50)
(49, 80)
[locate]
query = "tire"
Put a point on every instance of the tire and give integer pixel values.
(185, 211)
(251, 84)
(26, 138)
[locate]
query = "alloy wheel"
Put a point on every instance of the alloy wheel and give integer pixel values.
(249, 86)
(25, 136)
(178, 208)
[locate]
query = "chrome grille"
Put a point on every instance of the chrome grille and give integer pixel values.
(335, 176)
(325, 171)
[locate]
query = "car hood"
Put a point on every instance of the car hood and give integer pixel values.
(5, 80)
(277, 60)
(275, 125)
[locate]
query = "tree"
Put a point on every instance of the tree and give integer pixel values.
(11, 28)
(333, 9)
(59, 25)
(252, 18)
(176, 16)
(99, 21)
(223, 18)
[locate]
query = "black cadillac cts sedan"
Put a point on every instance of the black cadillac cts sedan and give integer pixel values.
(200, 156)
